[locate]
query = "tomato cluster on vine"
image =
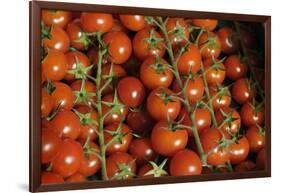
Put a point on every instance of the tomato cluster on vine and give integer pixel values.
(132, 96)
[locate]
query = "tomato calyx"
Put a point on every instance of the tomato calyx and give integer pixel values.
(261, 129)
(221, 92)
(50, 87)
(80, 72)
(159, 67)
(124, 171)
(228, 118)
(117, 136)
(179, 32)
(153, 41)
(166, 97)
(211, 42)
(85, 119)
(116, 106)
(83, 96)
(88, 150)
(157, 171)
(46, 32)
(217, 65)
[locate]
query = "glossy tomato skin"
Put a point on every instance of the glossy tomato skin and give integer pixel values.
(89, 87)
(117, 146)
(220, 101)
(131, 91)
(141, 47)
(260, 159)
(50, 145)
(96, 22)
(239, 151)
(235, 69)
(167, 142)
(58, 40)
(66, 124)
(63, 96)
(73, 59)
(214, 76)
(47, 103)
(51, 178)
(54, 65)
(56, 18)
(208, 49)
(190, 60)
(231, 127)
(158, 109)
(75, 178)
(208, 24)
(116, 159)
(210, 139)
(133, 22)
(171, 27)
(153, 77)
(250, 116)
(68, 159)
(229, 40)
(142, 151)
(245, 166)
(185, 163)
(119, 46)
(241, 91)
(114, 116)
(76, 35)
(255, 138)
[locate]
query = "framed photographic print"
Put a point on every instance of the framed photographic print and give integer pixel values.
(126, 96)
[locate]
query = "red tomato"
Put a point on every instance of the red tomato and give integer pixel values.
(242, 91)
(247, 38)
(245, 166)
(260, 160)
(119, 162)
(57, 40)
(66, 124)
(210, 139)
(63, 96)
(86, 97)
(161, 104)
(143, 171)
(233, 126)
(215, 73)
(119, 46)
(47, 103)
(118, 26)
(209, 45)
(50, 145)
(208, 24)
(56, 18)
(96, 22)
(68, 159)
(154, 73)
(255, 138)
(185, 163)
(131, 91)
(142, 151)
(123, 138)
(167, 141)
(178, 31)
(77, 177)
(190, 60)
(54, 65)
(220, 100)
(239, 151)
(78, 38)
(229, 40)
(148, 42)
(133, 22)
(234, 68)
(51, 178)
(251, 115)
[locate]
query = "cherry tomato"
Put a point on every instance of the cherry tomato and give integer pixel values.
(76, 61)
(255, 138)
(96, 22)
(133, 22)
(56, 18)
(234, 68)
(162, 105)
(143, 171)
(47, 103)
(119, 46)
(220, 99)
(247, 38)
(66, 124)
(166, 140)
(54, 65)
(57, 40)
(260, 160)
(77, 177)
(123, 138)
(68, 159)
(86, 97)
(209, 45)
(51, 178)
(142, 151)
(178, 31)
(148, 42)
(155, 73)
(232, 126)
(229, 40)
(189, 61)
(115, 116)
(78, 38)
(245, 166)
(50, 145)
(242, 91)
(63, 96)
(118, 26)
(185, 163)
(208, 24)
(210, 139)
(239, 151)
(120, 166)
(215, 71)
(131, 91)
(251, 115)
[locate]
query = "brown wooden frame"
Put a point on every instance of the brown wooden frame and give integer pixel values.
(35, 91)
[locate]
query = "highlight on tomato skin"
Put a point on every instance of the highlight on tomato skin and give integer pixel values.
(126, 96)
